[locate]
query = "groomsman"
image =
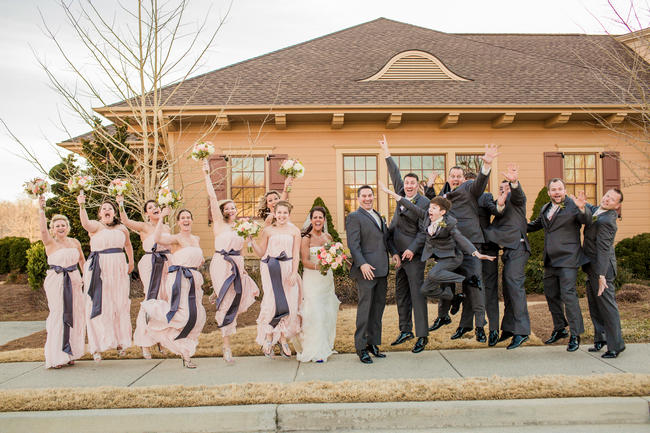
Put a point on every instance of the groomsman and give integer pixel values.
(508, 230)
(561, 220)
(490, 269)
(409, 276)
(369, 247)
(464, 196)
(601, 271)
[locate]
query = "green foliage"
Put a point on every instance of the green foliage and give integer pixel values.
(535, 265)
(18, 254)
(633, 254)
(36, 265)
(4, 254)
(330, 225)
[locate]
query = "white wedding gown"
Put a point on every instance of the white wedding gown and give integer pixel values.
(320, 307)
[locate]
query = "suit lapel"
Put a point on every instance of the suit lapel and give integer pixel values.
(371, 218)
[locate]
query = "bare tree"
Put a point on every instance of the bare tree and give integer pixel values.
(19, 218)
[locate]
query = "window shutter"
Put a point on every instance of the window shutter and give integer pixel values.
(611, 172)
(276, 180)
(218, 173)
(553, 166)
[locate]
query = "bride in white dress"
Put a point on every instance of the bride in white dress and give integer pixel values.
(320, 305)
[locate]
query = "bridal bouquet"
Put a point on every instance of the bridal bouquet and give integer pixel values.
(202, 150)
(332, 255)
(36, 187)
(292, 168)
(169, 197)
(119, 187)
(79, 182)
(245, 228)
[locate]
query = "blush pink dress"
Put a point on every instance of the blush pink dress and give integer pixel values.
(140, 336)
(164, 332)
(112, 328)
(221, 270)
(53, 285)
(288, 325)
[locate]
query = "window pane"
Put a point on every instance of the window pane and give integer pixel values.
(348, 163)
(569, 176)
(580, 161)
(371, 162)
(416, 163)
(360, 163)
(363, 171)
(580, 175)
(590, 176)
(427, 163)
(590, 161)
(569, 161)
(247, 183)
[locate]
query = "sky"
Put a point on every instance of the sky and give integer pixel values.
(38, 116)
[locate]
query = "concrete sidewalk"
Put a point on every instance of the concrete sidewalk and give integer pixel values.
(459, 363)
(12, 330)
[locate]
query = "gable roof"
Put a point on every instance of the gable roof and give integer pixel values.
(501, 69)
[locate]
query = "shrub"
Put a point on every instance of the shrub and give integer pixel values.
(330, 224)
(628, 296)
(36, 265)
(13, 254)
(535, 265)
(633, 253)
(5, 244)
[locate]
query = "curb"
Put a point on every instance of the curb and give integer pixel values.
(405, 416)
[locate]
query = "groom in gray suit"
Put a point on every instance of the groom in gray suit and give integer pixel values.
(368, 243)
(402, 233)
(601, 271)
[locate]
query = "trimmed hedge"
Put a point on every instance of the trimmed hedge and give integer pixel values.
(535, 265)
(36, 265)
(633, 254)
(13, 254)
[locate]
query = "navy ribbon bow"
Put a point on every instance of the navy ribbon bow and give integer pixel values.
(182, 271)
(235, 280)
(275, 272)
(95, 288)
(67, 304)
(158, 259)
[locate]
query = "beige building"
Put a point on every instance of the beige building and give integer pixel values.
(438, 98)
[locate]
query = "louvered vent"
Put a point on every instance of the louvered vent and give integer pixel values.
(414, 65)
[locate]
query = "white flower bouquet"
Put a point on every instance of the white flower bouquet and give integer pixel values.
(36, 187)
(169, 197)
(292, 168)
(119, 187)
(202, 150)
(246, 227)
(79, 182)
(332, 255)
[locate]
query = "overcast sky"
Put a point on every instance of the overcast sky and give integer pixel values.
(35, 112)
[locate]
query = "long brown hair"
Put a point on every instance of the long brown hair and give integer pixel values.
(116, 219)
(262, 209)
(307, 231)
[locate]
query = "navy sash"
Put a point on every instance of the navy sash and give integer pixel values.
(182, 271)
(158, 259)
(95, 289)
(275, 272)
(235, 279)
(67, 304)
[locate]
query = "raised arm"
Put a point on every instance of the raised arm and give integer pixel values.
(259, 245)
(535, 225)
(159, 235)
(217, 217)
(467, 247)
(82, 259)
(91, 226)
(482, 176)
(584, 216)
(517, 198)
(42, 220)
(288, 182)
(295, 257)
(128, 248)
(136, 226)
(393, 169)
(486, 201)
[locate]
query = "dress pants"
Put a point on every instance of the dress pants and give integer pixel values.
(491, 284)
(561, 296)
(604, 310)
(410, 300)
(370, 309)
(515, 314)
(443, 272)
(474, 303)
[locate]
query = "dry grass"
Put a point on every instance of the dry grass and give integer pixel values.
(493, 388)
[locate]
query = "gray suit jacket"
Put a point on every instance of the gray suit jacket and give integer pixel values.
(509, 227)
(464, 200)
(367, 243)
(486, 208)
(405, 223)
(599, 241)
(562, 247)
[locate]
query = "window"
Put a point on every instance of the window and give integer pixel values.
(423, 166)
(580, 174)
(247, 183)
(358, 170)
(471, 162)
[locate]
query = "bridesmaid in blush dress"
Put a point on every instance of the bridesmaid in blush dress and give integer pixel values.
(177, 323)
(279, 249)
(266, 204)
(152, 267)
(65, 324)
(107, 281)
(233, 289)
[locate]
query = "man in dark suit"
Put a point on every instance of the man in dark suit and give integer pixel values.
(601, 271)
(367, 237)
(508, 231)
(490, 269)
(561, 220)
(408, 278)
(464, 196)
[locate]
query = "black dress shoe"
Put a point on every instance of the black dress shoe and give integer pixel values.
(504, 336)
(517, 341)
(557, 335)
(420, 344)
(597, 346)
(611, 354)
(460, 332)
(402, 337)
(440, 322)
(480, 334)
(374, 349)
(493, 338)
(455, 303)
(447, 294)
(364, 357)
(574, 343)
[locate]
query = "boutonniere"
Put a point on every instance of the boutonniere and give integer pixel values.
(442, 224)
(594, 218)
(561, 205)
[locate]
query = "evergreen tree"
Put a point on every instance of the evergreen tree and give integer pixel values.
(535, 264)
(330, 225)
